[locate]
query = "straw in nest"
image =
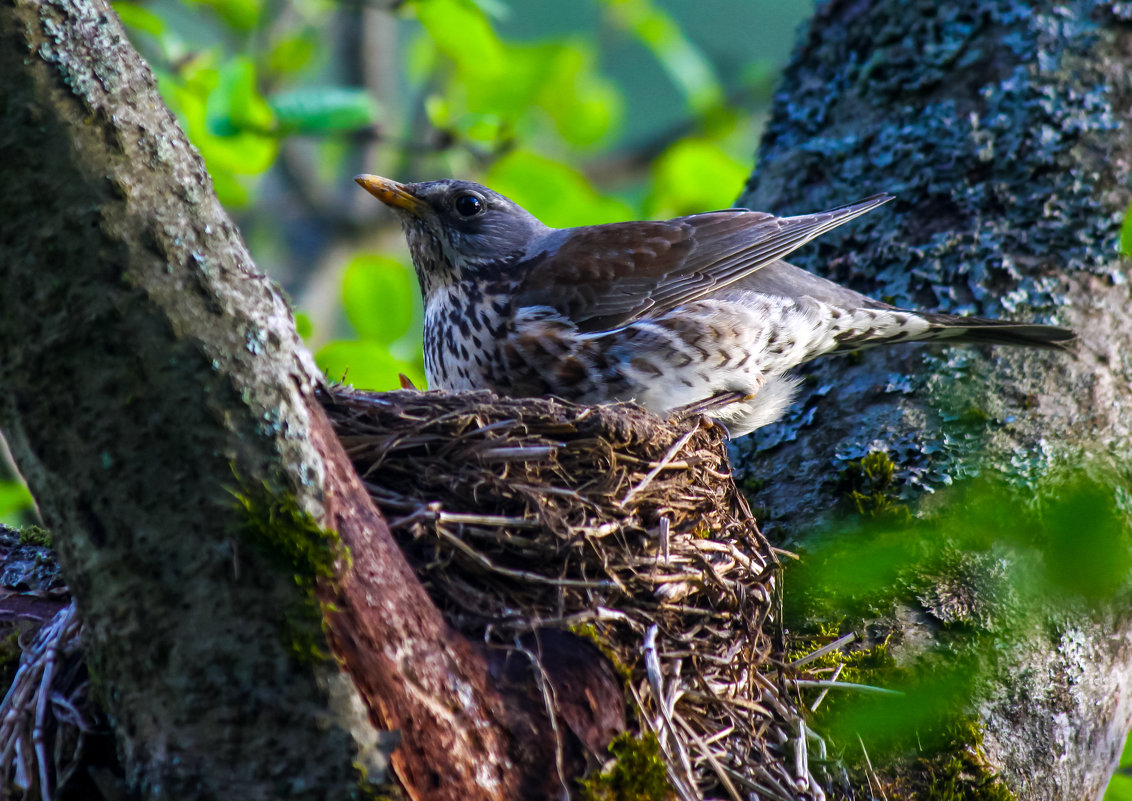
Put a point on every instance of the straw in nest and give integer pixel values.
(523, 514)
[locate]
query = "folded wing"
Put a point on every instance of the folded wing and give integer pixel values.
(607, 276)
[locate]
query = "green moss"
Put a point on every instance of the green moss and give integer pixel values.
(638, 774)
(588, 631)
(957, 772)
(34, 535)
(289, 538)
(385, 791)
(860, 665)
(870, 485)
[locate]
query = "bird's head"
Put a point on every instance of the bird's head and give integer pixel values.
(457, 230)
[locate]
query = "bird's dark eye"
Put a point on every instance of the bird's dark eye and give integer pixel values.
(469, 205)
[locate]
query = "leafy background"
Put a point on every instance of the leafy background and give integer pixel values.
(583, 112)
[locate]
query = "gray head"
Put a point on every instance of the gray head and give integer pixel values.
(457, 229)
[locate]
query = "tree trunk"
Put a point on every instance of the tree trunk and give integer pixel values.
(161, 407)
(1002, 128)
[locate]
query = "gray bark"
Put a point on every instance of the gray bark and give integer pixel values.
(1003, 129)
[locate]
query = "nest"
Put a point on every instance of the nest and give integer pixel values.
(523, 514)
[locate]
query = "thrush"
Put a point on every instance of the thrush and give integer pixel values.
(698, 312)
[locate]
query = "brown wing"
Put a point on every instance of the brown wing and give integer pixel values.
(606, 276)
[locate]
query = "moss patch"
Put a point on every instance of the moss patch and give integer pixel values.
(861, 665)
(869, 484)
(638, 774)
(34, 535)
(291, 539)
(589, 632)
(957, 772)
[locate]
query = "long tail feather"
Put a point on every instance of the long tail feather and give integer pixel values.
(977, 330)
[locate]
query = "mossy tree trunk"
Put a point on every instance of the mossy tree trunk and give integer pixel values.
(1002, 127)
(161, 407)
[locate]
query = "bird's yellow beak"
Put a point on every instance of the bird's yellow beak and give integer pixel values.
(392, 193)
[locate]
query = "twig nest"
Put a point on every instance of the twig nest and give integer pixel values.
(532, 513)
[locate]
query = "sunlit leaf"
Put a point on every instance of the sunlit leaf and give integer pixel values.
(694, 175)
(291, 54)
(462, 32)
(323, 110)
(241, 15)
(303, 325)
(235, 105)
(139, 18)
(364, 364)
(1120, 788)
(439, 111)
(15, 502)
(686, 66)
(527, 68)
(559, 195)
(1094, 566)
(929, 703)
(229, 189)
(583, 105)
(380, 297)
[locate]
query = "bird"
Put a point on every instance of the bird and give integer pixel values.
(694, 314)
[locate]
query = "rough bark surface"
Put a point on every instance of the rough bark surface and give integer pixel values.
(1002, 128)
(160, 405)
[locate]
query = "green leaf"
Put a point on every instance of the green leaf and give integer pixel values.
(240, 15)
(303, 324)
(323, 110)
(1126, 234)
(583, 105)
(461, 31)
(1119, 789)
(694, 175)
(236, 106)
(380, 297)
(139, 18)
(291, 54)
(557, 194)
(683, 62)
(365, 365)
(15, 502)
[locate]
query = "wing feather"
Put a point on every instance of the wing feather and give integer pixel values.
(607, 276)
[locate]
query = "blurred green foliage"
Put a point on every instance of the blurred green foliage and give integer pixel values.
(992, 566)
(1126, 234)
(1120, 788)
(15, 503)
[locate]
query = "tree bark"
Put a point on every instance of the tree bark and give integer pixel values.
(161, 407)
(1002, 128)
